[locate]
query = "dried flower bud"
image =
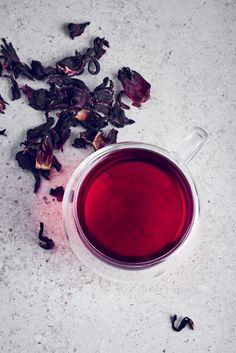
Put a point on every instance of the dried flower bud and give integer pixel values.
(135, 86)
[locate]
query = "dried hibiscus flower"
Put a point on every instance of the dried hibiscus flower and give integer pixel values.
(12, 61)
(2, 105)
(135, 86)
(26, 160)
(58, 192)
(117, 117)
(44, 154)
(45, 242)
(98, 46)
(76, 29)
(95, 138)
(38, 99)
(39, 72)
(15, 91)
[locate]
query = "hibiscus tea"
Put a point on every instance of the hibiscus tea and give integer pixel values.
(134, 206)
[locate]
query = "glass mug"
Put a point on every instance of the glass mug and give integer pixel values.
(131, 210)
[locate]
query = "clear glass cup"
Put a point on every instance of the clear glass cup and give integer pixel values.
(118, 270)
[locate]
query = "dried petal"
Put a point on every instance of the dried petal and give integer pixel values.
(3, 132)
(103, 94)
(41, 130)
(2, 105)
(79, 143)
(19, 68)
(14, 87)
(44, 155)
(56, 164)
(8, 53)
(76, 29)
(116, 116)
(1, 69)
(135, 86)
(45, 242)
(38, 99)
(27, 161)
(119, 100)
(58, 192)
(39, 72)
(72, 65)
(185, 321)
(98, 47)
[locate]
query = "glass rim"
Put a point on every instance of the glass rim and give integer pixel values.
(79, 174)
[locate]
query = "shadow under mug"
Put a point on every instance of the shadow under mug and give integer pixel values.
(131, 210)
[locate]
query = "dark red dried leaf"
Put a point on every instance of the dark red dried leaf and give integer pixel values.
(58, 192)
(76, 29)
(135, 86)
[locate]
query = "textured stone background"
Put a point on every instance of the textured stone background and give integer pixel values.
(49, 301)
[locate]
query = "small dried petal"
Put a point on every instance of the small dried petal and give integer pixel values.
(58, 192)
(82, 114)
(15, 91)
(3, 132)
(79, 143)
(27, 161)
(76, 29)
(38, 99)
(8, 53)
(135, 86)
(45, 242)
(39, 72)
(2, 105)
(56, 164)
(1, 69)
(44, 155)
(99, 141)
(98, 47)
(19, 68)
(72, 65)
(41, 130)
(117, 117)
(184, 322)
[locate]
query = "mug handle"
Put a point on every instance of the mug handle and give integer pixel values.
(191, 144)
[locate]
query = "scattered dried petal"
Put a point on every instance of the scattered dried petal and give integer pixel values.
(3, 132)
(98, 47)
(119, 100)
(185, 321)
(79, 143)
(58, 192)
(38, 99)
(135, 86)
(76, 29)
(26, 160)
(117, 117)
(44, 155)
(41, 130)
(1, 69)
(2, 105)
(45, 242)
(15, 91)
(39, 72)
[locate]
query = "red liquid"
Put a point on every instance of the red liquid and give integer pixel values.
(135, 206)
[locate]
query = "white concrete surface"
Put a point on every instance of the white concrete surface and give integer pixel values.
(50, 302)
